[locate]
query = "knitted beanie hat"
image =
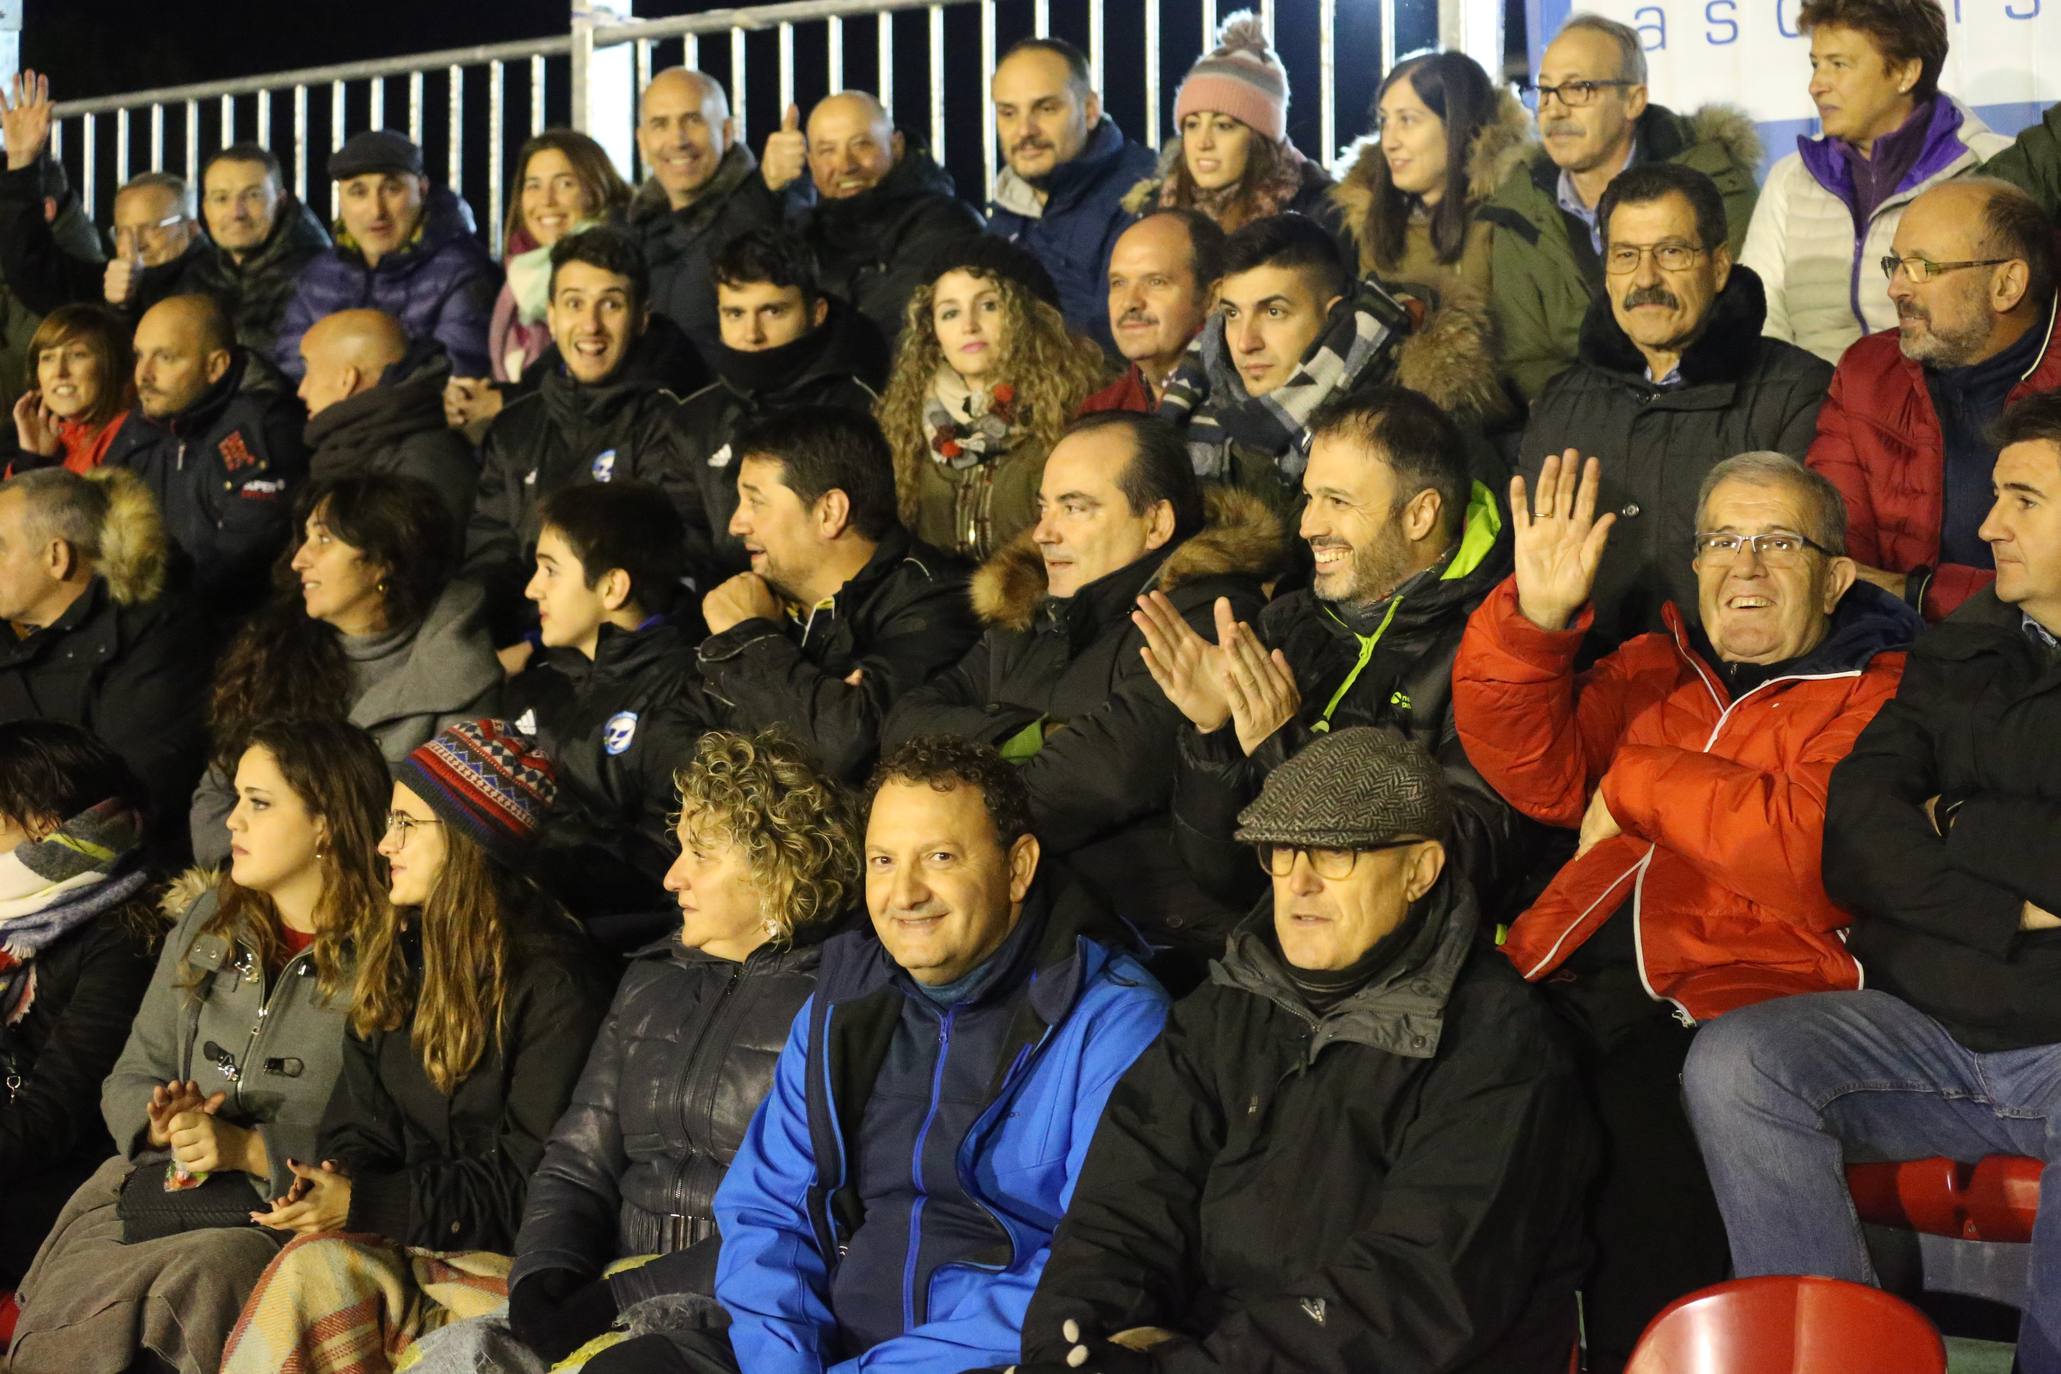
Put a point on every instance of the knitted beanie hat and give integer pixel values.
(1240, 77)
(996, 258)
(485, 779)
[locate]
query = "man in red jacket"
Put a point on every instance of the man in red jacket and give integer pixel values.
(1694, 764)
(1903, 433)
(1161, 273)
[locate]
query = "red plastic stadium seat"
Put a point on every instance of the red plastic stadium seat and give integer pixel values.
(1994, 1199)
(2003, 1197)
(1789, 1325)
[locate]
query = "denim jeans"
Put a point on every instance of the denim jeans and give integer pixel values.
(1783, 1093)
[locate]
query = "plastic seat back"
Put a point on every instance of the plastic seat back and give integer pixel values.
(1789, 1325)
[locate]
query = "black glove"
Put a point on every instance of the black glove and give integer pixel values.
(1090, 1355)
(557, 1311)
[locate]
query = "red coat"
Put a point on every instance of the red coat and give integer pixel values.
(1127, 392)
(1879, 442)
(1721, 802)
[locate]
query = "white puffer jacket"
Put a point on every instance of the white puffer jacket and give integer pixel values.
(1825, 290)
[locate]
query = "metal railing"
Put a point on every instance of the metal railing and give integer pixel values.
(927, 60)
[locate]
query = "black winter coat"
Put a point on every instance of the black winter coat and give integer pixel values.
(676, 1074)
(1396, 1185)
(398, 428)
(135, 676)
(1740, 393)
(616, 728)
(875, 248)
(224, 472)
(451, 1173)
(901, 618)
(255, 291)
(1935, 920)
(842, 363)
(680, 244)
(1101, 786)
(1396, 671)
(562, 433)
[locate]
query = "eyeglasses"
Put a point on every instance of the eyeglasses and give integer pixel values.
(1572, 94)
(399, 823)
(1623, 258)
(125, 234)
(1921, 270)
(1776, 548)
(1278, 860)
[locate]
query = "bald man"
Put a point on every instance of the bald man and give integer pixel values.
(703, 191)
(375, 404)
(216, 436)
(882, 208)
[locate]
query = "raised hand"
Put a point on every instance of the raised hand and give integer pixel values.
(35, 428)
(25, 119)
(1558, 545)
(1188, 668)
(1258, 684)
(124, 275)
(787, 152)
(168, 1100)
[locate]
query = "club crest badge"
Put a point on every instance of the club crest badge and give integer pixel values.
(720, 458)
(620, 730)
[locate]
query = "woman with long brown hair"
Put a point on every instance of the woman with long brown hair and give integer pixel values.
(228, 1067)
(473, 1007)
(84, 387)
(986, 376)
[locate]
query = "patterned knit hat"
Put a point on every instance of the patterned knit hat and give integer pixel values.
(487, 780)
(1240, 77)
(1351, 789)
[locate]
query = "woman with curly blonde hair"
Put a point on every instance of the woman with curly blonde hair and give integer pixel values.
(769, 865)
(986, 376)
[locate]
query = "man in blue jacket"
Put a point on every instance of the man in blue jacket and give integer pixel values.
(1069, 167)
(893, 1203)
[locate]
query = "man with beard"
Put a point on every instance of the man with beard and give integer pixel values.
(1061, 195)
(1405, 546)
(1904, 430)
(883, 208)
(1160, 275)
(1674, 378)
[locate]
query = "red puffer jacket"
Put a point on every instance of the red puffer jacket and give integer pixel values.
(1721, 802)
(1879, 442)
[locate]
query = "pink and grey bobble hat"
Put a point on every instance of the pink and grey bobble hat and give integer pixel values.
(1240, 77)
(488, 780)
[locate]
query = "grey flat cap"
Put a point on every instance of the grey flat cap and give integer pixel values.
(1351, 789)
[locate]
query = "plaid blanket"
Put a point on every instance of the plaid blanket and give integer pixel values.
(343, 1304)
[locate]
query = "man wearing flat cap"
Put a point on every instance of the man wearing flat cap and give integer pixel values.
(1360, 1146)
(403, 245)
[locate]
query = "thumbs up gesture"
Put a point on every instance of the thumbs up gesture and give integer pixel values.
(787, 152)
(124, 275)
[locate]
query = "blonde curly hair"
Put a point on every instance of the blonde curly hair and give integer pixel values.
(1052, 368)
(798, 829)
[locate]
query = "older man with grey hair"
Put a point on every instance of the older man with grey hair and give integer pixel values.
(1358, 1013)
(1692, 765)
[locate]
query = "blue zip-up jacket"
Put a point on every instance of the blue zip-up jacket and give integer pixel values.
(1073, 232)
(946, 1225)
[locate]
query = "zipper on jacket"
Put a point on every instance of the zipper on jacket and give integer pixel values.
(252, 1060)
(937, 1084)
(1367, 646)
(707, 1117)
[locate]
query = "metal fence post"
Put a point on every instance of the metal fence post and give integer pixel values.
(604, 80)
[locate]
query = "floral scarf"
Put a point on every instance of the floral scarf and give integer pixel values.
(968, 427)
(52, 886)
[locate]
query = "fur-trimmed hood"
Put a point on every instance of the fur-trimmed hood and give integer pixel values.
(1240, 537)
(1730, 128)
(1499, 148)
(134, 548)
(183, 891)
(1450, 356)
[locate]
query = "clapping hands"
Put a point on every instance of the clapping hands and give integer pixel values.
(1236, 679)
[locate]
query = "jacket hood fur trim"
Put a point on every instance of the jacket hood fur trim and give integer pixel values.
(1499, 148)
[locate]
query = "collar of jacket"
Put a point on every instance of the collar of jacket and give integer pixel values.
(1660, 135)
(445, 219)
(294, 229)
(620, 653)
(1943, 146)
(916, 177)
(1984, 624)
(1070, 181)
(1241, 536)
(799, 957)
(1866, 622)
(826, 350)
(1401, 1010)
(1724, 352)
(82, 618)
(571, 400)
(408, 399)
(652, 206)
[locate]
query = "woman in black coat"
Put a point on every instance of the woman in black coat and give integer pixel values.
(769, 859)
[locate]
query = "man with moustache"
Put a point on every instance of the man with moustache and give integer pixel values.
(1068, 167)
(1674, 377)
(1904, 432)
(1161, 274)
(1594, 121)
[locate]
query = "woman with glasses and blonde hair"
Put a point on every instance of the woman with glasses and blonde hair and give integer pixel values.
(474, 1003)
(228, 1067)
(84, 370)
(768, 867)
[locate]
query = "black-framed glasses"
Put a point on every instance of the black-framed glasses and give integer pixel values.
(1921, 270)
(1278, 860)
(1775, 548)
(1622, 259)
(1572, 94)
(399, 823)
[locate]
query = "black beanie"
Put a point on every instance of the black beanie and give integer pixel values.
(986, 255)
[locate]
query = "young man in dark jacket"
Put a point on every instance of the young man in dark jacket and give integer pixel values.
(1057, 682)
(260, 236)
(1405, 547)
(1357, 1015)
(894, 1198)
(216, 436)
(784, 343)
(842, 611)
(1940, 835)
(1674, 378)
(601, 415)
